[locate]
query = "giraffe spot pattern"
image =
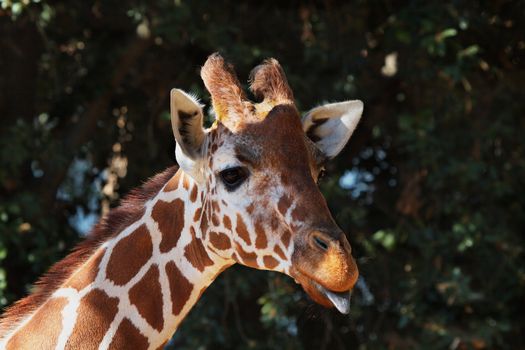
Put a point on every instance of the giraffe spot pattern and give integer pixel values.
(248, 259)
(98, 310)
(128, 336)
(220, 240)
(227, 222)
(87, 273)
(185, 182)
(215, 220)
(299, 214)
(173, 183)
(170, 219)
(285, 238)
(274, 223)
(242, 231)
(197, 215)
(216, 207)
(129, 255)
(279, 252)
(146, 295)
(270, 262)
(260, 241)
(180, 287)
(212, 249)
(283, 204)
(193, 194)
(204, 225)
(46, 323)
(196, 254)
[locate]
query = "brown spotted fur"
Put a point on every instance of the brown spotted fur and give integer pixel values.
(149, 307)
(130, 210)
(48, 326)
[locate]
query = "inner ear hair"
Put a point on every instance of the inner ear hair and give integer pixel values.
(311, 131)
(185, 123)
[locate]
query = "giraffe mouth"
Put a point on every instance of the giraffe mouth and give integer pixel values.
(325, 296)
(341, 300)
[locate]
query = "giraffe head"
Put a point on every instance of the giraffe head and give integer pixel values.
(258, 167)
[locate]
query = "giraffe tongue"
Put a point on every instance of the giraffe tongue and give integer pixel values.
(341, 301)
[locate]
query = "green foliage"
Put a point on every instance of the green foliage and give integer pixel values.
(430, 189)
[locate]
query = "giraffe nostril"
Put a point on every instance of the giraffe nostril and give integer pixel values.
(320, 242)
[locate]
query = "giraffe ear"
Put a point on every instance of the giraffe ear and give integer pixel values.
(330, 126)
(186, 122)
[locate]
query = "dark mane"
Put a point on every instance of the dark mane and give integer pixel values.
(130, 210)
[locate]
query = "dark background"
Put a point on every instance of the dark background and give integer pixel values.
(430, 188)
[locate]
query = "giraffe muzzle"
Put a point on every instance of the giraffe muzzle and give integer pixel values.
(324, 266)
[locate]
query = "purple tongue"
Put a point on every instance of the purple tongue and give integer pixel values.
(340, 300)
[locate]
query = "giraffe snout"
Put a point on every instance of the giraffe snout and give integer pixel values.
(325, 256)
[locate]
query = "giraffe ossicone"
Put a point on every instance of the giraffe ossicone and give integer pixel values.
(246, 192)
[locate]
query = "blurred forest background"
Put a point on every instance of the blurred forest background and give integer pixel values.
(430, 189)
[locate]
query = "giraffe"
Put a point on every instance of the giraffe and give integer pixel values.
(245, 192)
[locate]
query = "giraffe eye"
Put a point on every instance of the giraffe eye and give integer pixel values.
(233, 177)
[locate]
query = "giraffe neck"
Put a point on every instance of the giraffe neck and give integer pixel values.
(138, 286)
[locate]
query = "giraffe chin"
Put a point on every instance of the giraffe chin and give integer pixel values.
(326, 297)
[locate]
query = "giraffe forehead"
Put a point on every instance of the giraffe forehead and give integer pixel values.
(276, 139)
